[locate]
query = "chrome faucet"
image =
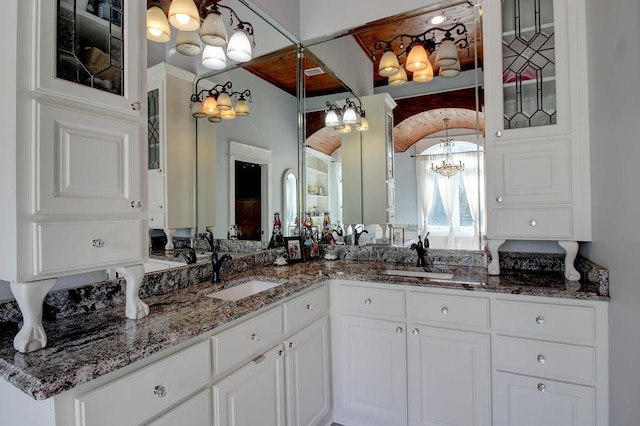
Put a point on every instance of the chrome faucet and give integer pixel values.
(190, 259)
(216, 264)
(356, 235)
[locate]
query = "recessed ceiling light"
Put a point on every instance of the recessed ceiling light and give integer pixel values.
(438, 19)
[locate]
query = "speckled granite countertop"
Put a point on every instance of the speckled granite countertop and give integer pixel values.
(87, 346)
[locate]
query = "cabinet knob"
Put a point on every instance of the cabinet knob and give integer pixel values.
(97, 243)
(254, 336)
(160, 391)
(540, 320)
(136, 106)
(541, 387)
(499, 199)
(136, 204)
(309, 308)
(291, 345)
(399, 330)
(541, 359)
(444, 310)
(367, 301)
(532, 222)
(499, 134)
(415, 331)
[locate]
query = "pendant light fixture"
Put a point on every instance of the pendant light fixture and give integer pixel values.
(217, 103)
(399, 79)
(183, 15)
(213, 58)
(344, 119)
(157, 25)
(188, 43)
(425, 75)
(417, 59)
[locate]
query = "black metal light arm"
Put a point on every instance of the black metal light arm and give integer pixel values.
(429, 43)
(212, 6)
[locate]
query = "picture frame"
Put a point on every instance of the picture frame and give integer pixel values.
(295, 249)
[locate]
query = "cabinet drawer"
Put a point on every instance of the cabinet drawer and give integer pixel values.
(306, 308)
(539, 320)
(137, 396)
(533, 223)
(68, 246)
(246, 339)
(196, 411)
(545, 359)
(372, 301)
(454, 310)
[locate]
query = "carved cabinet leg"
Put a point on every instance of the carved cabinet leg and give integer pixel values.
(169, 233)
(494, 267)
(30, 297)
(571, 250)
(135, 308)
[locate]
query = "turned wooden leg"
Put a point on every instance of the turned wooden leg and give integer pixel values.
(135, 308)
(169, 233)
(30, 297)
(571, 250)
(494, 267)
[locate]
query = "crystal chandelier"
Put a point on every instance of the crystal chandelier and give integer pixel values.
(447, 168)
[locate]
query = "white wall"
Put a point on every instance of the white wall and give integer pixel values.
(614, 104)
(406, 187)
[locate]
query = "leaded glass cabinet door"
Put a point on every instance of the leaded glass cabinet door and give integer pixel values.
(92, 51)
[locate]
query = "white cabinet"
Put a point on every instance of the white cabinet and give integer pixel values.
(196, 411)
(171, 135)
(536, 87)
(72, 153)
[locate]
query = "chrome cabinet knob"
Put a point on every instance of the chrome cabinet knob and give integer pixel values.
(254, 336)
(136, 106)
(444, 310)
(541, 359)
(160, 391)
(416, 331)
(499, 134)
(540, 320)
(541, 387)
(136, 204)
(97, 243)
(399, 330)
(499, 199)
(532, 222)
(309, 308)
(367, 301)
(291, 345)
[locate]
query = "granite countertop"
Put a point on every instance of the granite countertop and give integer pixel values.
(86, 346)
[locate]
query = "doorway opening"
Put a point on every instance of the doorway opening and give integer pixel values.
(248, 203)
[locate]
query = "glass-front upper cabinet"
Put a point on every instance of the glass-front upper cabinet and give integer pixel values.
(527, 65)
(92, 51)
(153, 130)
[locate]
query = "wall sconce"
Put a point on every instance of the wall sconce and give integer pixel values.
(418, 55)
(345, 118)
(198, 26)
(216, 104)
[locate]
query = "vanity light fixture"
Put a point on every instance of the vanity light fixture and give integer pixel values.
(343, 119)
(203, 25)
(447, 168)
(217, 103)
(419, 54)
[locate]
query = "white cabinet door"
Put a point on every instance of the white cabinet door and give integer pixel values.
(308, 375)
(529, 401)
(370, 371)
(449, 377)
(196, 411)
(254, 394)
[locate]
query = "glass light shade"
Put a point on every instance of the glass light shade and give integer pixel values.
(389, 64)
(417, 59)
(188, 43)
(213, 31)
(224, 102)
(210, 106)
(239, 47)
(213, 58)
(449, 72)
(447, 54)
(345, 129)
(424, 76)
(242, 108)
(331, 119)
(364, 126)
(183, 15)
(157, 25)
(228, 114)
(350, 116)
(197, 110)
(399, 79)
(215, 118)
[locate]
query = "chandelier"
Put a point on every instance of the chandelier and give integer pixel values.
(202, 26)
(216, 104)
(447, 168)
(345, 118)
(418, 52)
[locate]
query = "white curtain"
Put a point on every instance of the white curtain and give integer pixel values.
(426, 179)
(470, 179)
(448, 187)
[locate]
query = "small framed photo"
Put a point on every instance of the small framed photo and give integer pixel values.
(295, 251)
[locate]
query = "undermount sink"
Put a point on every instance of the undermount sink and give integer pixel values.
(154, 265)
(240, 291)
(417, 274)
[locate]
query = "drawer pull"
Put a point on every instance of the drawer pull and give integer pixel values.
(444, 310)
(532, 222)
(367, 301)
(97, 243)
(541, 359)
(160, 391)
(415, 331)
(254, 336)
(399, 330)
(540, 320)
(259, 359)
(542, 387)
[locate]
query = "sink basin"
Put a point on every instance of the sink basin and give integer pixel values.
(154, 265)
(417, 274)
(240, 291)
